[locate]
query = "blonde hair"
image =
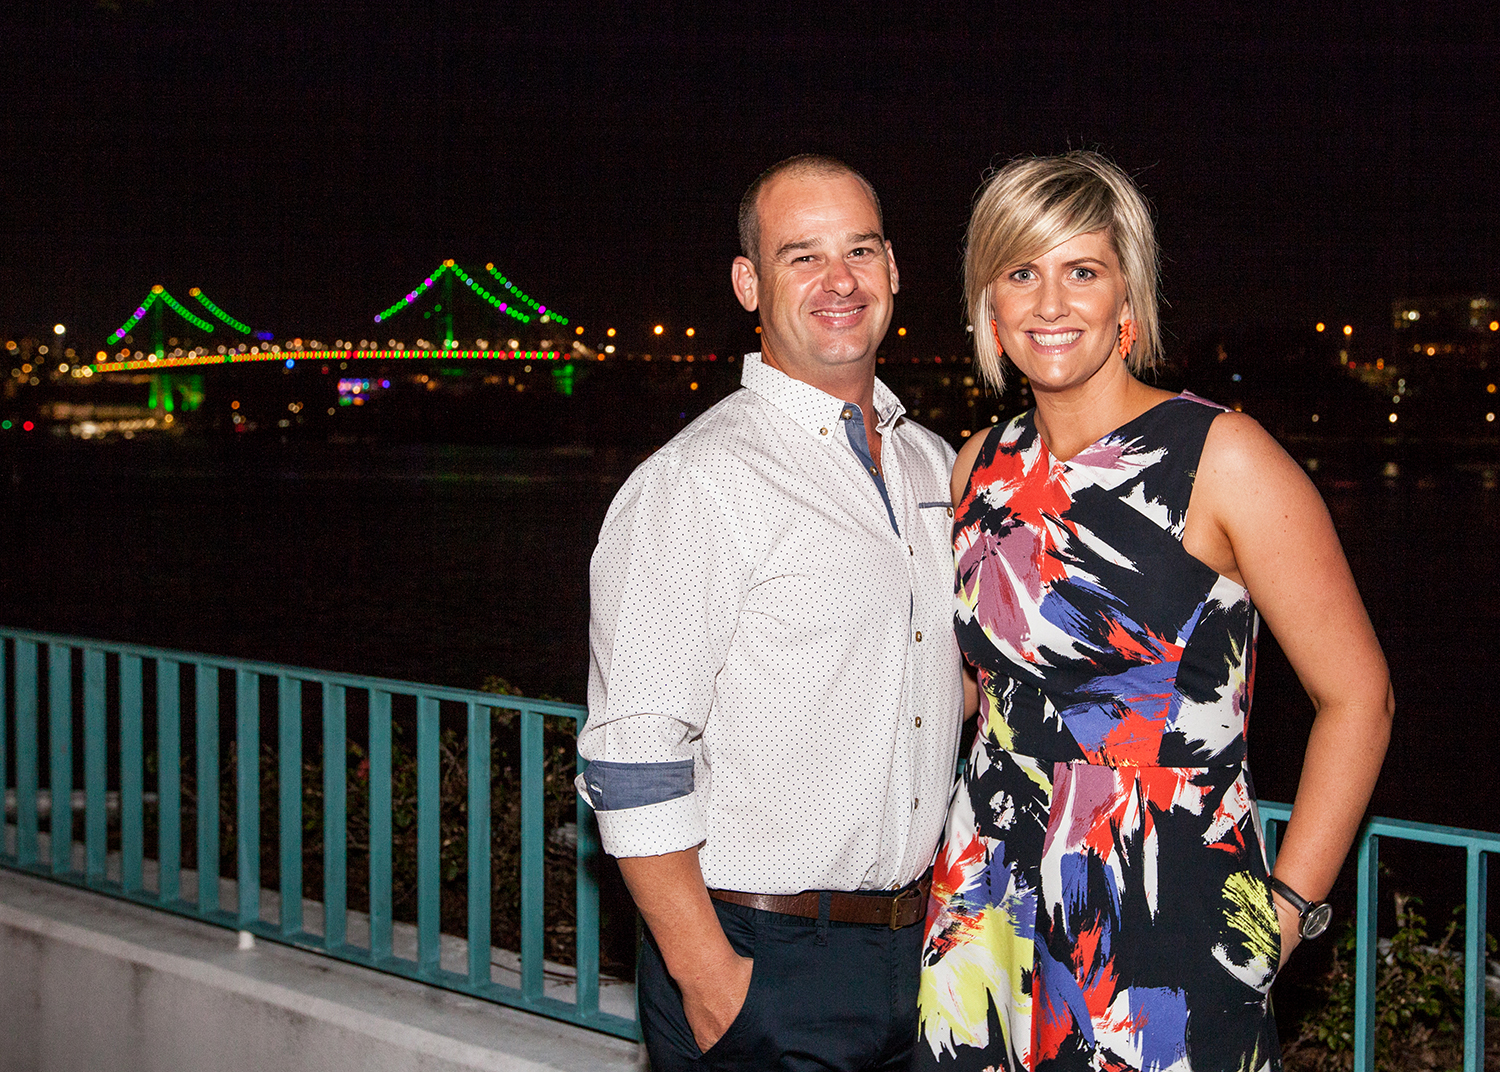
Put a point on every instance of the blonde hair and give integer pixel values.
(1036, 203)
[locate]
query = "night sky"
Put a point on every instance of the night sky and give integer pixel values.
(306, 168)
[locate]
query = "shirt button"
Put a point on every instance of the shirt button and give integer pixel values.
(873, 470)
(909, 550)
(913, 805)
(919, 636)
(918, 721)
(950, 511)
(846, 414)
(822, 431)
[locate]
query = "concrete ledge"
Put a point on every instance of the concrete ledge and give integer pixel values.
(88, 982)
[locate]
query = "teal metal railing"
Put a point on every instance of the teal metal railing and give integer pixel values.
(1477, 846)
(58, 686)
(38, 674)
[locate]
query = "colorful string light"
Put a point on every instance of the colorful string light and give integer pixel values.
(504, 307)
(289, 358)
(526, 298)
(509, 307)
(426, 285)
(243, 329)
(159, 293)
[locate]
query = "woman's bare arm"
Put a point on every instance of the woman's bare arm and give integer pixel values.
(1256, 518)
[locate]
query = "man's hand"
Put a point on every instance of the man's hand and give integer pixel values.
(674, 902)
(714, 999)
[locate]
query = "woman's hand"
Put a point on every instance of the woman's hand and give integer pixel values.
(1291, 927)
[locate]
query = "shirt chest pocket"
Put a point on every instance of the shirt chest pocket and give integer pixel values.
(936, 519)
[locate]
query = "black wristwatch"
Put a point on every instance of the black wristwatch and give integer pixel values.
(1312, 916)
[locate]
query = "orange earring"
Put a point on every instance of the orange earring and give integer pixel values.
(1127, 338)
(999, 346)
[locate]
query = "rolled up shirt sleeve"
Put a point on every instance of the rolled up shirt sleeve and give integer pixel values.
(664, 591)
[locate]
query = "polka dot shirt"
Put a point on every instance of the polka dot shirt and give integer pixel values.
(773, 674)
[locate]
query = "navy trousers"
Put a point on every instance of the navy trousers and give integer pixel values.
(822, 996)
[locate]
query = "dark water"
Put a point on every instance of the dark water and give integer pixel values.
(449, 564)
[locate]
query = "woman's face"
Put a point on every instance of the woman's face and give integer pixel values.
(1058, 315)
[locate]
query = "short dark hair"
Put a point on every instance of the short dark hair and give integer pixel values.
(801, 164)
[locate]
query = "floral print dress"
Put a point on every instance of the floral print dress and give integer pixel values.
(1100, 900)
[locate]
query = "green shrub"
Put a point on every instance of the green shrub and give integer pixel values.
(1419, 993)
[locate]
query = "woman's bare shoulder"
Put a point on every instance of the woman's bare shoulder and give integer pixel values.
(1240, 455)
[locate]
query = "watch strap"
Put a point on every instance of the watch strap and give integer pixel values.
(1291, 896)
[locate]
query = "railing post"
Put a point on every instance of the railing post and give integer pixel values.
(169, 780)
(27, 760)
(480, 933)
(380, 825)
(1365, 952)
(206, 770)
(132, 776)
(289, 786)
(428, 835)
(586, 949)
(95, 752)
(1475, 916)
(335, 818)
(60, 748)
(247, 794)
(533, 921)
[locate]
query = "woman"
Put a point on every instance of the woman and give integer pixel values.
(1101, 900)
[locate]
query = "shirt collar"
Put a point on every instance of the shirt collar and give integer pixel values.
(816, 411)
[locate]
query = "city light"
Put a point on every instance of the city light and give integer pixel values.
(690, 333)
(1320, 327)
(900, 331)
(58, 329)
(1348, 329)
(610, 333)
(657, 330)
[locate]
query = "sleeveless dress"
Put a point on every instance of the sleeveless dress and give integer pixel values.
(1100, 900)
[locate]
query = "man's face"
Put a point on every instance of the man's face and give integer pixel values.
(825, 280)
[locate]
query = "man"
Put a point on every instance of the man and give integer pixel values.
(774, 691)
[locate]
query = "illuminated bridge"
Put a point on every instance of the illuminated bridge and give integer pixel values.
(502, 296)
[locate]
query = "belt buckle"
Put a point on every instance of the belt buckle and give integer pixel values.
(896, 901)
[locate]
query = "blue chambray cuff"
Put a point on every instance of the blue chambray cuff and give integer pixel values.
(612, 786)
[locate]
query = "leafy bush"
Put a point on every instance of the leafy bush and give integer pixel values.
(1419, 992)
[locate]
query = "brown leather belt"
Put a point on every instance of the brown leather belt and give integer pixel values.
(900, 908)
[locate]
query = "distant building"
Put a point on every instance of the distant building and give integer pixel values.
(1452, 330)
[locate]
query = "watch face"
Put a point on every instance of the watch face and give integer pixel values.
(1316, 921)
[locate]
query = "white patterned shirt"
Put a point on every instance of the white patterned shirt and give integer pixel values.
(773, 673)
